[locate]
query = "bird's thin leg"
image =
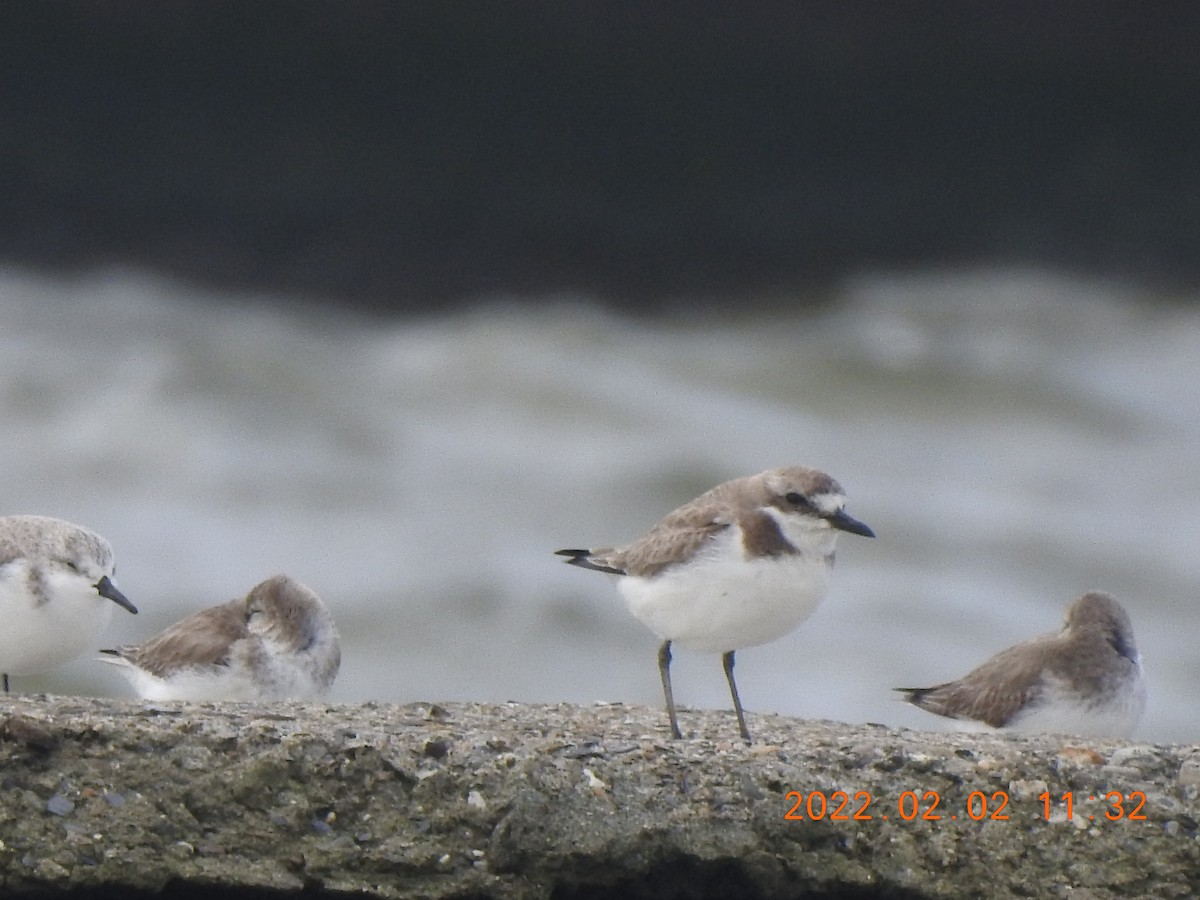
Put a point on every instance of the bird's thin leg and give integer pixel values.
(6, 682)
(727, 661)
(664, 670)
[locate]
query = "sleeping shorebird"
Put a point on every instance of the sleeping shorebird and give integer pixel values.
(279, 642)
(1085, 679)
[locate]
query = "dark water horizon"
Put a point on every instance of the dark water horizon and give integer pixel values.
(417, 156)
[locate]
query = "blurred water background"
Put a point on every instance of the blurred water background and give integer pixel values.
(1014, 436)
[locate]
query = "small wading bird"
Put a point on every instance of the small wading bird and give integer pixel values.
(1084, 680)
(742, 564)
(56, 593)
(279, 642)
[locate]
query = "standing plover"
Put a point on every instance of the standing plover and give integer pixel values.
(1085, 679)
(742, 564)
(279, 642)
(56, 593)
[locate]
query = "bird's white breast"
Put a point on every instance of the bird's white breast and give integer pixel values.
(41, 632)
(722, 601)
(1059, 710)
(195, 683)
(258, 669)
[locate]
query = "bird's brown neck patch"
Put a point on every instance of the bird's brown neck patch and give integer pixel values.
(762, 536)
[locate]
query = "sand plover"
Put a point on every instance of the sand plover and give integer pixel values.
(742, 564)
(1084, 680)
(56, 592)
(279, 642)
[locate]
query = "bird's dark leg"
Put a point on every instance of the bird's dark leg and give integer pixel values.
(6, 682)
(664, 670)
(727, 661)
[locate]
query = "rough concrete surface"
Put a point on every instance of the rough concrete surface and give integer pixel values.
(463, 800)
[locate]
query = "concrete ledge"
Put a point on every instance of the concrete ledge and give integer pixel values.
(465, 800)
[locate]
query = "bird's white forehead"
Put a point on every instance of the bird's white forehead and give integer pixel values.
(828, 503)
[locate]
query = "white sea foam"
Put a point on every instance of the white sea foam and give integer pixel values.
(1014, 438)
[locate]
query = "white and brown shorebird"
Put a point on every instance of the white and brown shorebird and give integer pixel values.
(279, 642)
(1084, 680)
(56, 593)
(742, 564)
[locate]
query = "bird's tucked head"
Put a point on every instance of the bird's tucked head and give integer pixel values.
(1099, 613)
(283, 610)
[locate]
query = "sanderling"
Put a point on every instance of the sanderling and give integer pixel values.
(56, 592)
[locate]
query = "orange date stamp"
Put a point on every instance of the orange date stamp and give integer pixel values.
(930, 806)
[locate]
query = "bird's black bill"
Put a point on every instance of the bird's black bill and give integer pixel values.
(105, 588)
(844, 522)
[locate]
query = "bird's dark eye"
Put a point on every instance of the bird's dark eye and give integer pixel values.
(796, 499)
